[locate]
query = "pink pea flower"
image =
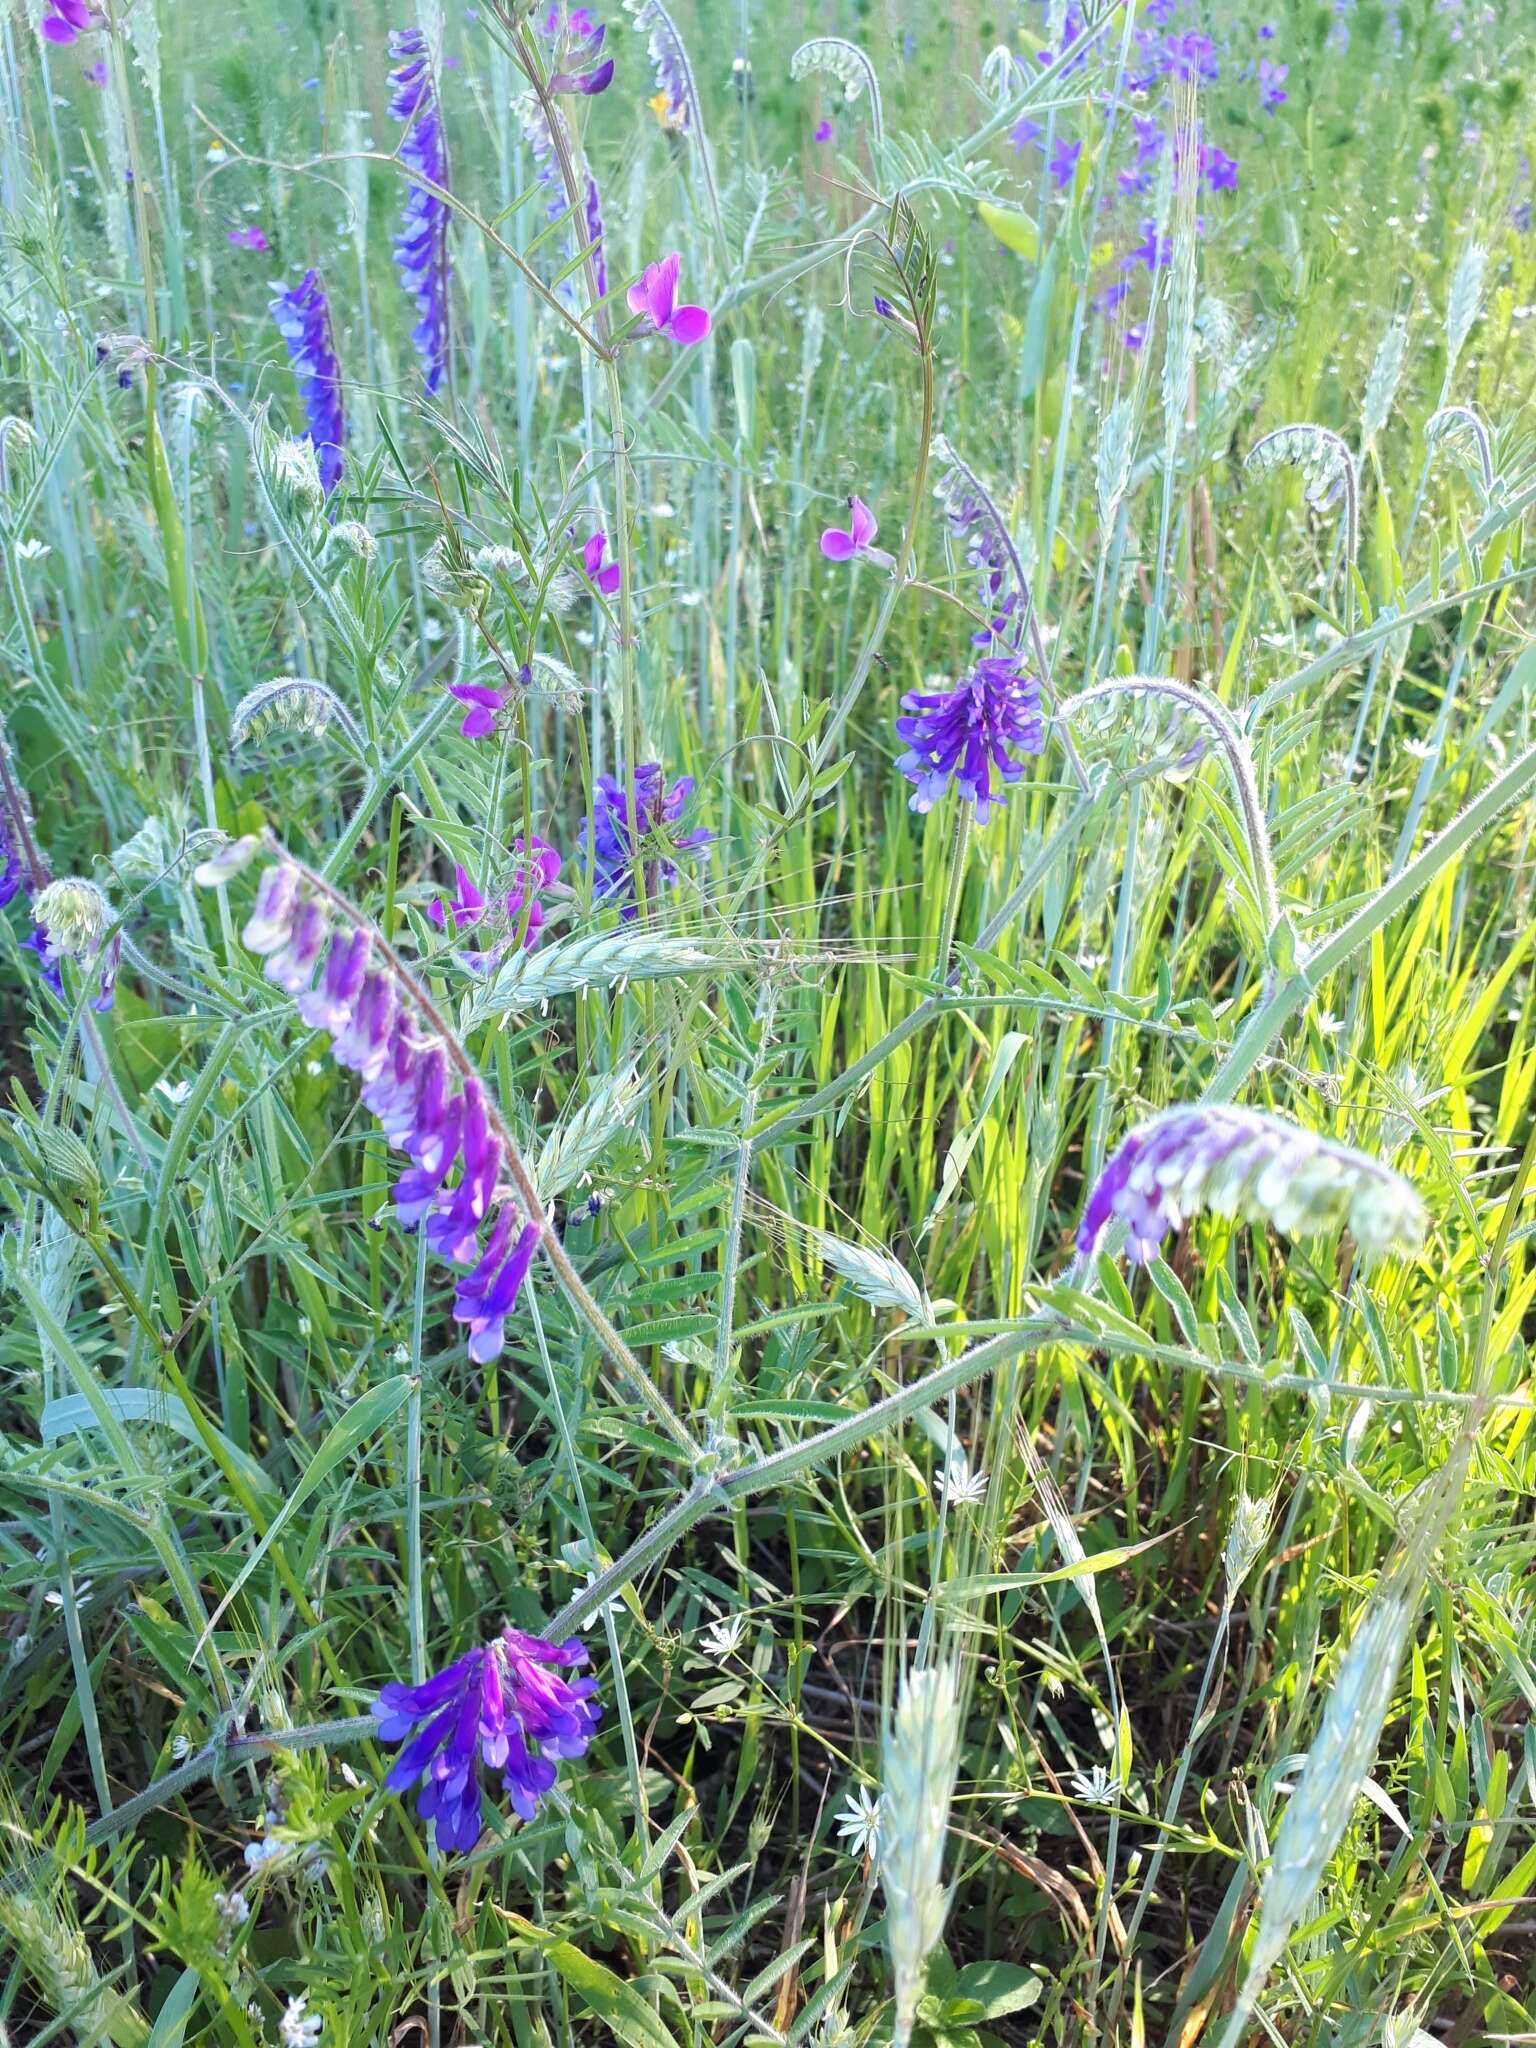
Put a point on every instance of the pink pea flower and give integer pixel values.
(479, 721)
(67, 19)
(518, 909)
(824, 132)
(841, 544)
(655, 299)
(249, 238)
(606, 575)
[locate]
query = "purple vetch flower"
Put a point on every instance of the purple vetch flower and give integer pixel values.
(1217, 168)
(486, 1709)
(251, 237)
(1272, 79)
(609, 850)
(605, 574)
(1109, 301)
(518, 907)
(825, 132)
(95, 74)
(1250, 1164)
(976, 528)
(673, 104)
(1155, 250)
(654, 298)
(1025, 132)
(971, 735)
(1063, 164)
(592, 213)
(421, 246)
(66, 20)
(578, 42)
(429, 1107)
(842, 543)
(479, 721)
(303, 317)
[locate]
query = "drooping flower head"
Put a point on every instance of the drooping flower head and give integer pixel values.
(673, 104)
(610, 850)
(72, 919)
(1250, 1164)
(347, 986)
(516, 908)
(487, 1708)
(578, 64)
(303, 317)
(654, 298)
(972, 735)
(421, 246)
(978, 532)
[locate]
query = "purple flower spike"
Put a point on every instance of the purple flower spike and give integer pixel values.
(593, 214)
(1217, 168)
(609, 849)
(1272, 79)
(655, 299)
(486, 1709)
(842, 543)
(605, 574)
(421, 246)
(1246, 1163)
(971, 734)
(303, 317)
(1063, 165)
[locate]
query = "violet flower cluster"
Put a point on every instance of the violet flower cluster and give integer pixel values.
(611, 847)
(487, 1708)
(971, 735)
(437, 1116)
(303, 316)
(65, 21)
(1249, 1164)
(578, 44)
(421, 246)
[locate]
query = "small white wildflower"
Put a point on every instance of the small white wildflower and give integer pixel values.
(1098, 1786)
(314, 1068)
(233, 1908)
(858, 1823)
(963, 1488)
(32, 550)
(299, 2027)
(180, 1744)
(402, 1354)
(259, 1854)
(614, 1606)
(723, 1637)
(1328, 1025)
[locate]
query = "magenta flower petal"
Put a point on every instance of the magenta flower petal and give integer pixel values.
(837, 545)
(689, 324)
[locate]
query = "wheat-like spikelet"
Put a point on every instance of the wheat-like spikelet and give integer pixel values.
(524, 980)
(875, 1276)
(573, 1147)
(1381, 385)
(920, 1757)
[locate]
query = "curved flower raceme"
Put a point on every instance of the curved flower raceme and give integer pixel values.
(1247, 1163)
(972, 734)
(655, 299)
(486, 1709)
(610, 849)
(518, 908)
(421, 246)
(347, 985)
(303, 317)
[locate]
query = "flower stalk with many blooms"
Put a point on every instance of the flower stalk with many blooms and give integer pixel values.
(468, 1185)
